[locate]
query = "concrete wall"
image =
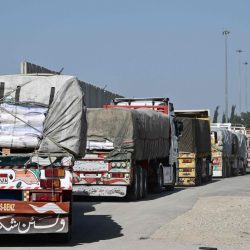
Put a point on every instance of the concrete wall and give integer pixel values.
(95, 97)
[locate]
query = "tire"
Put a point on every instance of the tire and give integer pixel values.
(159, 180)
(207, 178)
(171, 187)
(141, 182)
(198, 178)
(244, 170)
(133, 189)
(229, 172)
(224, 168)
(145, 183)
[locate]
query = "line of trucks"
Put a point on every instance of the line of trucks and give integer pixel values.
(52, 147)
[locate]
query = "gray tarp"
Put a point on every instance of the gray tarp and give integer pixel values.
(65, 124)
(225, 139)
(144, 133)
(242, 145)
(195, 137)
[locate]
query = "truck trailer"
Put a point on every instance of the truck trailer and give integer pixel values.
(43, 128)
(239, 163)
(131, 146)
(248, 150)
(229, 149)
(194, 157)
(223, 149)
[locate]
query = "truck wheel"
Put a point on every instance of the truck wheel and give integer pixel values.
(145, 183)
(209, 176)
(133, 189)
(171, 187)
(198, 177)
(228, 168)
(224, 168)
(244, 171)
(159, 180)
(141, 182)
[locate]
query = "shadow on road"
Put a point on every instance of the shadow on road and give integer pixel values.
(86, 229)
(150, 196)
(92, 228)
(164, 193)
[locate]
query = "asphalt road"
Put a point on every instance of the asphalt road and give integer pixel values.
(116, 224)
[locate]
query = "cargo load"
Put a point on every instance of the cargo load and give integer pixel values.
(225, 140)
(195, 137)
(142, 133)
(46, 113)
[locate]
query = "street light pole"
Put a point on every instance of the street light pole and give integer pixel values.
(225, 33)
(245, 63)
(239, 51)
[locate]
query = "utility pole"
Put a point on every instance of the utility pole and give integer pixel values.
(225, 33)
(246, 63)
(239, 51)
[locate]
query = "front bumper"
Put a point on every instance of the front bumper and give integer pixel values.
(100, 190)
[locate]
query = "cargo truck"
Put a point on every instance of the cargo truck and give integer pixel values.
(43, 128)
(248, 150)
(131, 146)
(223, 149)
(194, 157)
(239, 163)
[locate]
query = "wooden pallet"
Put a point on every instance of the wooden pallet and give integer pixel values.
(8, 151)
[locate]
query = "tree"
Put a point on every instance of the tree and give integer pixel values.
(216, 114)
(232, 116)
(223, 118)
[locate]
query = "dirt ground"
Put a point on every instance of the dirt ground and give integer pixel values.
(212, 221)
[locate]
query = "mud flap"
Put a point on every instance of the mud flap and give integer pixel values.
(26, 224)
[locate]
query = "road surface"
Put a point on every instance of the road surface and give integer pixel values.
(216, 214)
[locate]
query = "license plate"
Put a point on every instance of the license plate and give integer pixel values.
(88, 175)
(100, 166)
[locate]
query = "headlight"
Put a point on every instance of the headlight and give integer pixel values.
(124, 164)
(118, 164)
(113, 164)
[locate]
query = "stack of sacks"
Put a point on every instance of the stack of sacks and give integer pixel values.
(22, 132)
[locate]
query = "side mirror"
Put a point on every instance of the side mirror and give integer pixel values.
(179, 127)
(215, 137)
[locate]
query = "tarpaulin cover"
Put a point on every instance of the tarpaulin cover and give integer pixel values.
(242, 145)
(143, 133)
(64, 127)
(195, 137)
(225, 140)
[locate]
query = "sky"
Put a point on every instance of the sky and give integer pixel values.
(137, 48)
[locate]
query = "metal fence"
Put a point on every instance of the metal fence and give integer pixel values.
(95, 97)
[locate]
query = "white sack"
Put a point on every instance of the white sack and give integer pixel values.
(23, 110)
(31, 119)
(18, 141)
(107, 145)
(9, 129)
